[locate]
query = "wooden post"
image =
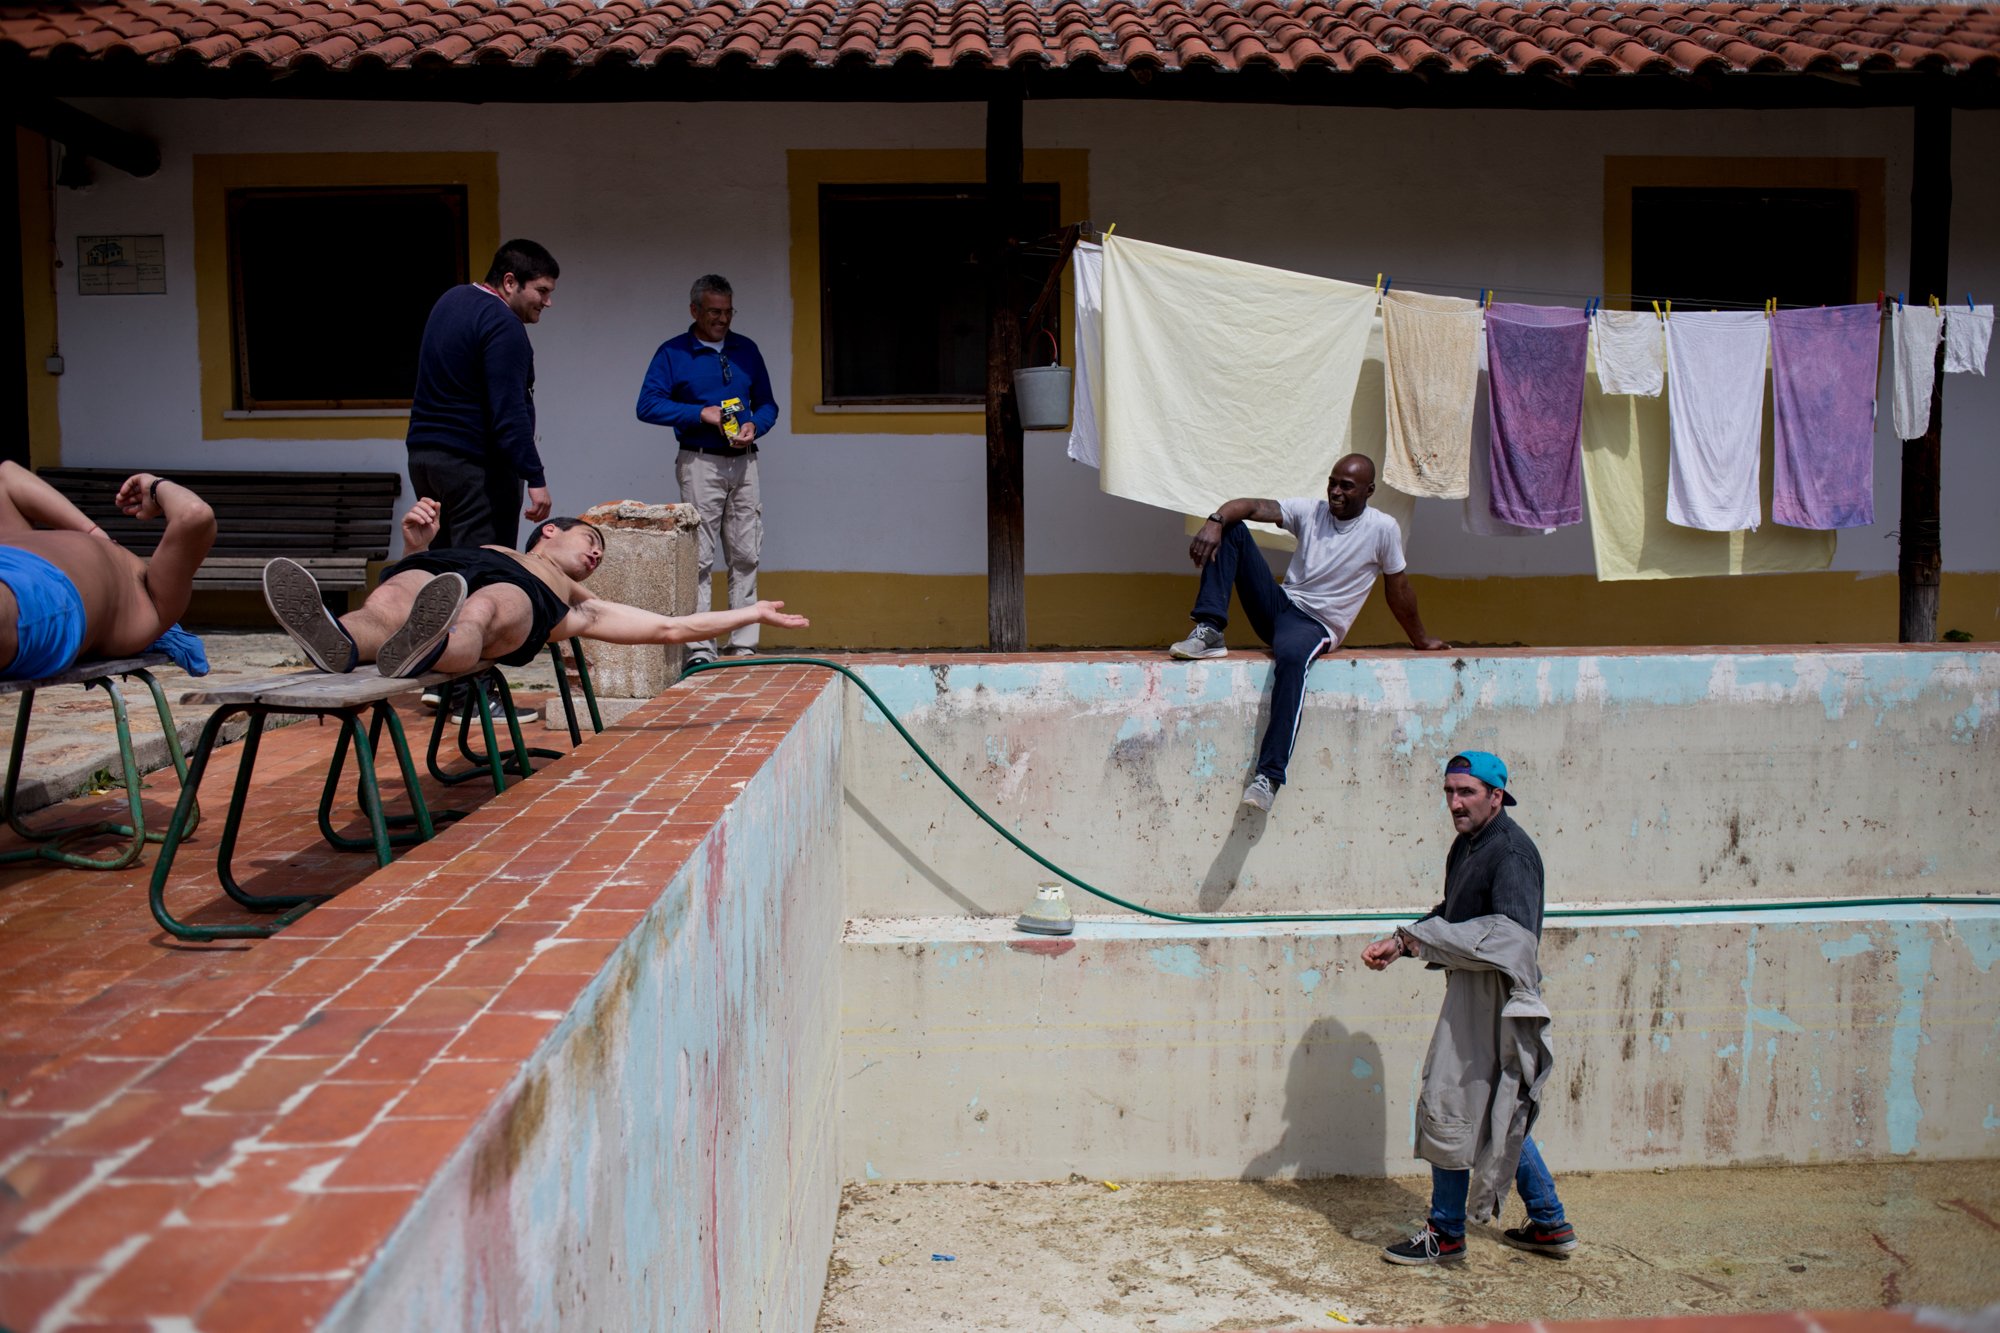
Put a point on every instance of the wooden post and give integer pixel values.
(1006, 547)
(1920, 563)
(13, 306)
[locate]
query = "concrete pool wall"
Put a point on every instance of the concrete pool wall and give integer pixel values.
(1148, 1049)
(666, 1157)
(825, 985)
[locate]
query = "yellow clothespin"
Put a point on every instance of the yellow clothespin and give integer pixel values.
(1489, 298)
(1656, 311)
(1108, 230)
(1934, 307)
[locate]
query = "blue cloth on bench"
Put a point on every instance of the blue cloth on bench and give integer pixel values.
(185, 648)
(49, 628)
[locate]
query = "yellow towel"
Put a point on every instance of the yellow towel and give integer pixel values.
(1433, 347)
(1223, 378)
(1625, 486)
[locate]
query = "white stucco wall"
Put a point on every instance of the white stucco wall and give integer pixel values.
(636, 200)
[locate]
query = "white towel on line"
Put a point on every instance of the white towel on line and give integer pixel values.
(1715, 407)
(1083, 428)
(1967, 335)
(1913, 343)
(1631, 351)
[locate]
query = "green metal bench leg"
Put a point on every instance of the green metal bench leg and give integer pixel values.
(421, 816)
(515, 761)
(51, 845)
(583, 679)
(177, 830)
(174, 753)
(225, 852)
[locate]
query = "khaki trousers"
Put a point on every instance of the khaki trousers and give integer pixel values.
(723, 489)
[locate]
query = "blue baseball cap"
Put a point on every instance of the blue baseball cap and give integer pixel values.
(1488, 768)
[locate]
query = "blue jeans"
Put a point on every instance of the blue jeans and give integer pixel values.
(1295, 637)
(1531, 1177)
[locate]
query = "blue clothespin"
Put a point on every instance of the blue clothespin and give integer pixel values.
(1387, 283)
(1899, 300)
(1968, 302)
(1482, 298)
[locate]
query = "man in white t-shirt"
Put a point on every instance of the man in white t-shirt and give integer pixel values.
(1343, 545)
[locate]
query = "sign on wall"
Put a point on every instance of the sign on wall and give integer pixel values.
(121, 265)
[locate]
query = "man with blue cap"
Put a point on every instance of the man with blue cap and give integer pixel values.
(1489, 1056)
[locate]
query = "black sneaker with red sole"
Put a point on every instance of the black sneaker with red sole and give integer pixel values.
(1557, 1241)
(1426, 1247)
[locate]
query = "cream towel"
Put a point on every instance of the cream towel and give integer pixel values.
(1223, 378)
(1968, 332)
(1088, 266)
(1625, 491)
(1433, 344)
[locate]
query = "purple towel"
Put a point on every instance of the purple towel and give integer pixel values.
(1823, 382)
(1534, 367)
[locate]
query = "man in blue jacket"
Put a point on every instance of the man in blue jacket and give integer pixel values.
(472, 420)
(709, 384)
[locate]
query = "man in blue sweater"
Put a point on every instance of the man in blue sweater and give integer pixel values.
(472, 420)
(710, 386)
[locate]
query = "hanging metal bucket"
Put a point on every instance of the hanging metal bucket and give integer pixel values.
(1042, 393)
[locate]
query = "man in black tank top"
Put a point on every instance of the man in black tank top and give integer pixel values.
(450, 610)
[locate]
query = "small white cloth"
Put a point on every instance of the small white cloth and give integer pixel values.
(1088, 266)
(1915, 332)
(1967, 335)
(1631, 351)
(1715, 406)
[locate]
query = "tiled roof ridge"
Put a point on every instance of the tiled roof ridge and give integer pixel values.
(1557, 37)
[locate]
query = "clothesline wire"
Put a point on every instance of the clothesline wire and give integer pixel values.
(1638, 299)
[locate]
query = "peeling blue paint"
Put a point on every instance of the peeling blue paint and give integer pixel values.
(868, 1167)
(1309, 980)
(1203, 768)
(1982, 940)
(1772, 1018)
(1179, 960)
(1361, 1068)
(1834, 950)
(1724, 1052)
(1913, 969)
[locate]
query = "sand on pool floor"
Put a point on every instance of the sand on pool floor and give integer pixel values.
(1197, 1255)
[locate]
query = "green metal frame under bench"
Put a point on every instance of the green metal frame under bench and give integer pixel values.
(350, 697)
(53, 844)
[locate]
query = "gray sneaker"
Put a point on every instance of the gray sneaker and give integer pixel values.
(419, 641)
(292, 593)
(1206, 641)
(1260, 793)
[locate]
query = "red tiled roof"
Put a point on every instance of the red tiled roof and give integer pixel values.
(1339, 36)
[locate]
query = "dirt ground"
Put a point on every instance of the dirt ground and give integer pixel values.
(1279, 1254)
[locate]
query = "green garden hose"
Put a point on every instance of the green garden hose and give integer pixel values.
(1688, 909)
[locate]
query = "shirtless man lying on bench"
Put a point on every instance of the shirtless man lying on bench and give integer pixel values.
(68, 592)
(449, 610)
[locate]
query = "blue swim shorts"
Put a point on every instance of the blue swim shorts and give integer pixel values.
(49, 630)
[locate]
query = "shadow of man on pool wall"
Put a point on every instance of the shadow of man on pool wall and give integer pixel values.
(1335, 1147)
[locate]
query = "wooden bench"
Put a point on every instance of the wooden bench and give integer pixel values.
(333, 523)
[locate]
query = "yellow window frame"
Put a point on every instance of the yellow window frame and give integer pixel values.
(1863, 175)
(215, 174)
(806, 171)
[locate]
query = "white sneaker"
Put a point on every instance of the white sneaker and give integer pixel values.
(1260, 793)
(1205, 641)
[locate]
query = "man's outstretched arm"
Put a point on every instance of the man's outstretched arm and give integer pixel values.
(1403, 605)
(1209, 540)
(183, 546)
(615, 622)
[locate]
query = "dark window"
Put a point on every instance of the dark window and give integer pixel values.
(1740, 247)
(903, 298)
(329, 290)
